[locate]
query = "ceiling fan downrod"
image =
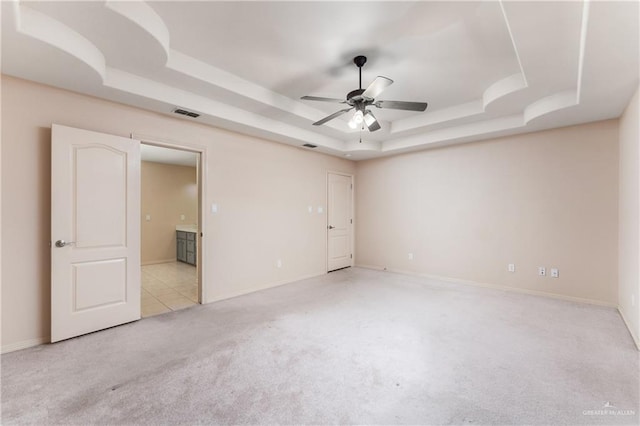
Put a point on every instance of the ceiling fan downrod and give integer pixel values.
(360, 61)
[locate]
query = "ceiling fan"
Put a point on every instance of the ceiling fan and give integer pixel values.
(360, 99)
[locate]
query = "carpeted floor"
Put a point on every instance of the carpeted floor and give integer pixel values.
(354, 346)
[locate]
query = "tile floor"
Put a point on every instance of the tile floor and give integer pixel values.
(168, 287)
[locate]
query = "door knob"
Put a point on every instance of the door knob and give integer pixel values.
(62, 243)
(331, 227)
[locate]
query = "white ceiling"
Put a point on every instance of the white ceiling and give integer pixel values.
(486, 68)
(158, 154)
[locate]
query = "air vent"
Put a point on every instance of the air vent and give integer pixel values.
(187, 113)
(310, 145)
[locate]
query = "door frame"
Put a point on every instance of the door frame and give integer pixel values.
(326, 224)
(202, 179)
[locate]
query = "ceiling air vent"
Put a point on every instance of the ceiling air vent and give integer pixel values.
(187, 113)
(310, 145)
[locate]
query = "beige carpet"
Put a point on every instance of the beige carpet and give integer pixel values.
(352, 347)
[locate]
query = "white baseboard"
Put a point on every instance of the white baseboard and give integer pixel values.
(495, 286)
(41, 340)
(258, 288)
(155, 262)
(24, 344)
(633, 335)
(12, 347)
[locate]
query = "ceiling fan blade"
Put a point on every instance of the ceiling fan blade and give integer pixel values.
(332, 116)
(321, 99)
(371, 122)
(408, 106)
(376, 87)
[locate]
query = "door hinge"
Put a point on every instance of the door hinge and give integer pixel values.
(351, 186)
(352, 255)
(351, 221)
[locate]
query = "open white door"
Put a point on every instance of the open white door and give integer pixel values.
(95, 231)
(340, 222)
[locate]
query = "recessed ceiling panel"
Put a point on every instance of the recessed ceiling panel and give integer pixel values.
(485, 68)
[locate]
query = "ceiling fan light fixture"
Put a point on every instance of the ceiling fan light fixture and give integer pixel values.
(369, 119)
(358, 117)
(352, 124)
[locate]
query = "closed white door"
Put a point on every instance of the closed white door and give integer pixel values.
(339, 221)
(95, 231)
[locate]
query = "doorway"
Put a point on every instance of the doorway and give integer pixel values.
(339, 221)
(170, 229)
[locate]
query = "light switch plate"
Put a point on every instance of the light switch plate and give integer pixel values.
(320, 209)
(147, 217)
(214, 208)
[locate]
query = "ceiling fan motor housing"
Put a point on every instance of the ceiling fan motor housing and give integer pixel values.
(354, 93)
(360, 61)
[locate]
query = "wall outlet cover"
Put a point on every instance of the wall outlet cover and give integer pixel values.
(511, 267)
(542, 271)
(555, 273)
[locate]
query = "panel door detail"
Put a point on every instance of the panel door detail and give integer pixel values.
(339, 221)
(95, 231)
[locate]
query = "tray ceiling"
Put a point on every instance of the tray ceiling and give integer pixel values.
(485, 68)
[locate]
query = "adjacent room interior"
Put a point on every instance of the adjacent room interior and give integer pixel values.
(320, 212)
(169, 196)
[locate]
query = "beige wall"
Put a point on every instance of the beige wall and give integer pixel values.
(548, 198)
(262, 190)
(629, 235)
(167, 192)
(540, 199)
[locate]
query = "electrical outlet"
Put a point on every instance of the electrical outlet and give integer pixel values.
(511, 267)
(147, 217)
(279, 263)
(181, 217)
(542, 271)
(310, 209)
(410, 256)
(555, 273)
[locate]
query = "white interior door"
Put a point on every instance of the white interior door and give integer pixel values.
(95, 231)
(339, 221)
